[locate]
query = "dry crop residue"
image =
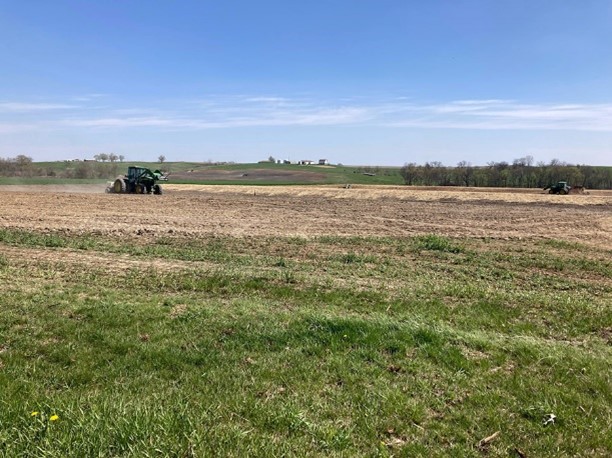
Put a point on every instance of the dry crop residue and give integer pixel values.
(192, 210)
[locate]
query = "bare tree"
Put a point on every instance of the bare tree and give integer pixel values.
(23, 161)
(435, 174)
(409, 173)
(161, 158)
(465, 172)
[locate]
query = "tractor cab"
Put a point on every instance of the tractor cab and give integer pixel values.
(134, 173)
(560, 188)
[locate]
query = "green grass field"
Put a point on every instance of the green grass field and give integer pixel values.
(333, 346)
(288, 174)
(300, 174)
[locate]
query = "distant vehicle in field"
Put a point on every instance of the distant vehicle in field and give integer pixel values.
(139, 180)
(560, 188)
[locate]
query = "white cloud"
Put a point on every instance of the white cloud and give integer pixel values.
(227, 119)
(88, 97)
(502, 115)
(118, 122)
(272, 100)
(484, 102)
(216, 112)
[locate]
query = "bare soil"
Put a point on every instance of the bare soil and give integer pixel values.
(201, 211)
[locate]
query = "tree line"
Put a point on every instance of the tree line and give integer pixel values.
(112, 157)
(521, 173)
(16, 166)
(104, 166)
(23, 166)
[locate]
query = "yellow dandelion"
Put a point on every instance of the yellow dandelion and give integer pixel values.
(53, 418)
(34, 414)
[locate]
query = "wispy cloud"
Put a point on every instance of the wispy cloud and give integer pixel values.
(504, 114)
(123, 122)
(477, 102)
(274, 100)
(227, 113)
(88, 97)
(33, 107)
(217, 112)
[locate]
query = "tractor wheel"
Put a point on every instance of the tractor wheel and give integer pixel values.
(140, 189)
(552, 191)
(119, 186)
(157, 189)
(562, 191)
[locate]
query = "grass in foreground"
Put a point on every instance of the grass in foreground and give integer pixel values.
(293, 347)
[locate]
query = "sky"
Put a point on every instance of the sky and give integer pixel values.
(369, 82)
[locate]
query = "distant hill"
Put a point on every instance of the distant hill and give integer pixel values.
(264, 173)
(271, 174)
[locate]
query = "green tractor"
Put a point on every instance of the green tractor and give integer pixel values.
(138, 180)
(560, 188)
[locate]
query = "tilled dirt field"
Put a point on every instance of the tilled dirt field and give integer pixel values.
(198, 211)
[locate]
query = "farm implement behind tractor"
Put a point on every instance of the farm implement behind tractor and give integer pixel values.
(138, 180)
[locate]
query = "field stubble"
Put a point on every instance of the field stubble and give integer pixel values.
(307, 211)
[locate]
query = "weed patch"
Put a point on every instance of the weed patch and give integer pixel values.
(437, 243)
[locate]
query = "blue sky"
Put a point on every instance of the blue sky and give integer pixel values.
(354, 81)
